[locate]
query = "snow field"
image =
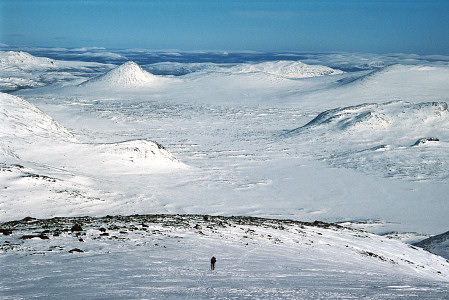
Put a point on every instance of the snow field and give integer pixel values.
(168, 256)
(372, 156)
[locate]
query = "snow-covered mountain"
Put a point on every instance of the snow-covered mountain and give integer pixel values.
(128, 75)
(21, 70)
(287, 69)
(24, 60)
(438, 244)
(139, 156)
(40, 156)
(23, 120)
(23, 123)
(382, 117)
(412, 83)
(398, 74)
(281, 69)
(393, 139)
(37, 154)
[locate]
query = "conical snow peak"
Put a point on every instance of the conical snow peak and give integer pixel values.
(128, 74)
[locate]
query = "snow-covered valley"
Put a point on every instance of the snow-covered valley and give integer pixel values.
(366, 148)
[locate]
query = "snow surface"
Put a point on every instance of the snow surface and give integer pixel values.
(364, 148)
(23, 120)
(32, 143)
(231, 130)
(397, 139)
(24, 60)
(162, 256)
(285, 69)
(20, 70)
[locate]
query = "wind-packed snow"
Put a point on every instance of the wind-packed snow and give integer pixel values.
(365, 148)
(163, 256)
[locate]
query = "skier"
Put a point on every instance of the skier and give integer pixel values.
(212, 263)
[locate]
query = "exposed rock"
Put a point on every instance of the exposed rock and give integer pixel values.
(31, 236)
(5, 231)
(76, 250)
(28, 219)
(422, 141)
(76, 227)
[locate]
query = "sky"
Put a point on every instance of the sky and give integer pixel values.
(377, 26)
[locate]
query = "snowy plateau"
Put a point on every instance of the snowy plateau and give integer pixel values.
(308, 176)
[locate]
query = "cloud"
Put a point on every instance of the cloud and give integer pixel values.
(105, 55)
(83, 49)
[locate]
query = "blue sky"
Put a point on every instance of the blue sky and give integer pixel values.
(379, 26)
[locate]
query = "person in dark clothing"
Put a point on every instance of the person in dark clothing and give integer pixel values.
(212, 263)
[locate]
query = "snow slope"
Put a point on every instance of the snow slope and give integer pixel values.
(280, 68)
(167, 256)
(23, 120)
(379, 117)
(286, 69)
(394, 139)
(23, 123)
(438, 244)
(39, 157)
(24, 60)
(21, 70)
(412, 83)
